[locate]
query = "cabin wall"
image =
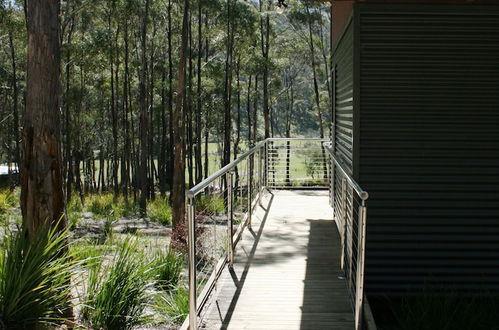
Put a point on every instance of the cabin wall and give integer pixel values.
(343, 105)
(429, 146)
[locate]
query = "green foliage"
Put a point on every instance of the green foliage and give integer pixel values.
(104, 206)
(7, 200)
(168, 268)
(88, 252)
(159, 210)
(116, 292)
(211, 204)
(35, 275)
(174, 304)
(107, 206)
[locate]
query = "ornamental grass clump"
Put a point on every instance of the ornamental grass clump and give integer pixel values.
(159, 210)
(116, 290)
(168, 269)
(174, 305)
(35, 278)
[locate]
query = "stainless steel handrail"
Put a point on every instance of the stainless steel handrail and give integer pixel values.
(364, 195)
(261, 150)
(361, 231)
(203, 184)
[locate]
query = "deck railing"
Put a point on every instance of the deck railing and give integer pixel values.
(219, 207)
(348, 200)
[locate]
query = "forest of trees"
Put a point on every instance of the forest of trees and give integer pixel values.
(154, 92)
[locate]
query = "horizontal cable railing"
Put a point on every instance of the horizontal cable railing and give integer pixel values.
(296, 163)
(219, 207)
(348, 200)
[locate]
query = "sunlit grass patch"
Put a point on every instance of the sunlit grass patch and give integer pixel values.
(168, 268)
(174, 305)
(35, 277)
(116, 291)
(159, 210)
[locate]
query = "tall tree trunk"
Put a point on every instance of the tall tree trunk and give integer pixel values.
(265, 45)
(228, 87)
(248, 111)
(15, 101)
(125, 178)
(199, 112)
(189, 113)
(68, 144)
(178, 191)
(316, 91)
(114, 116)
(171, 143)
(143, 113)
(42, 197)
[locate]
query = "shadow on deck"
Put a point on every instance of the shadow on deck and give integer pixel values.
(286, 268)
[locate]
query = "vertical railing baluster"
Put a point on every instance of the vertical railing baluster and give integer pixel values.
(192, 264)
(361, 255)
(260, 176)
(250, 187)
(344, 221)
(230, 239)
(266, 164)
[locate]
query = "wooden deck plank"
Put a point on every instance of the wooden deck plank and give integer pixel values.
(285, 274)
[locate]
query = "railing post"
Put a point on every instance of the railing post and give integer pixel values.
(361, 255)
(266, 164)
(250, 186)
(230, 241)
(260, 175)
(344, 220)
(192, 264)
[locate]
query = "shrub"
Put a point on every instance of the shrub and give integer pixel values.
(174, 304)
(116, 292)
(168, 269)
(35, 277)
(105, 206)
(211, 204)
(7, 200)
(159, 210)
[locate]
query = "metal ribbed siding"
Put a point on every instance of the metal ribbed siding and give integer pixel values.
(429, 145)
(343, 136)
(343, 109)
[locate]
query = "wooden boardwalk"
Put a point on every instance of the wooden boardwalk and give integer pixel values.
(286, 269)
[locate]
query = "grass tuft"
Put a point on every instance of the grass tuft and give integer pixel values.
(116, 292)
(35, 277)
(210, 204)
(159, 210)
(174, 304)
(168, 268)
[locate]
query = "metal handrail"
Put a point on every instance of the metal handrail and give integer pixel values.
(261, 149)
(364, 195)
(205, 183)
(361, 247)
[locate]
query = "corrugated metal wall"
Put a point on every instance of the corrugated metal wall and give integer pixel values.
(429, 145)
(343, 113)
(343, 104)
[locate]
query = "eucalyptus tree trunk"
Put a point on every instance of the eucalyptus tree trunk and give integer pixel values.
(178, 191)
(15, 101)
(228, 87)
(316, 90)
(143, 114)
(199, 112)
(265, 45)
(42, 197)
